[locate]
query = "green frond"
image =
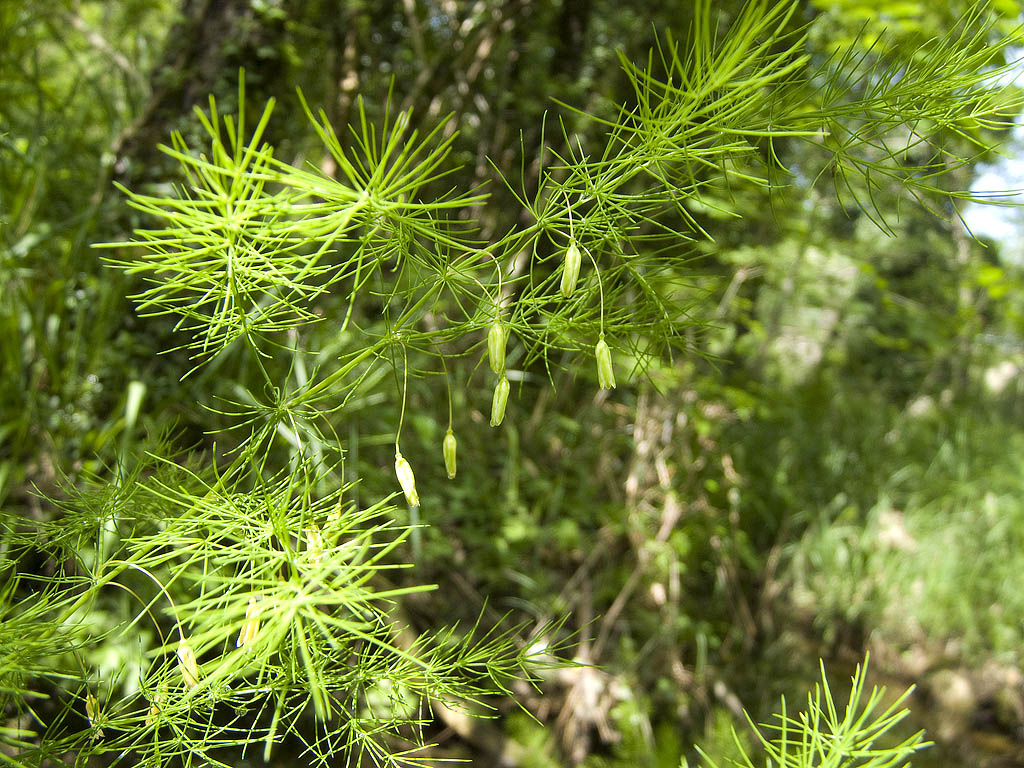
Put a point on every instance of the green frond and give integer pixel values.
(858, 735)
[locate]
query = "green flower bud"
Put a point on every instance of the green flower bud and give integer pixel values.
(406, 479)
(187, 664)
(496, 346)
(448, 449)
(500, 399)
(605, 374)
(571, 269)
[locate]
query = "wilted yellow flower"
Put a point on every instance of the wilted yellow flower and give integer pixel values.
(448, 446)
(406, 479)
(498, 402)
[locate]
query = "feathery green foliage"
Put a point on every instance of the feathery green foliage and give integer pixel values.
(828, 734)
(254, 600)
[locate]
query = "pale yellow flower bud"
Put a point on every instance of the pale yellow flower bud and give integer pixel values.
(314, 543)
(157, 703)
(499, 401)
(448, 449)
(605, 373)
(252, 624)
(406, 479)
(496, 346)
(92, 707)
(92, 711)
(187, 664)
(571, 269)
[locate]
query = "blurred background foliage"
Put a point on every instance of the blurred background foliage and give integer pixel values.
(839, 469)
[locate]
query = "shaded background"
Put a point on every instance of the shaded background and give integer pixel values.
(839, 471)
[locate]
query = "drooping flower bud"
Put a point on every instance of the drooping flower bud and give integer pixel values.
(571, 269)
(187, 664)
(499, 401)
(448, 449)
(496, 346)
(406, 479)
(252, 623)
(605, 373)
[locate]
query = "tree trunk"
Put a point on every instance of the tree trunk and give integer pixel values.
(212, 40)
